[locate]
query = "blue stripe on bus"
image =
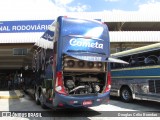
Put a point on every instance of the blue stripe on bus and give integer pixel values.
(136, 72)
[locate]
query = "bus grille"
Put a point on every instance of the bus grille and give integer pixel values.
(154, 86)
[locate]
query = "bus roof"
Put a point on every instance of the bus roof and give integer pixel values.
(143, 49)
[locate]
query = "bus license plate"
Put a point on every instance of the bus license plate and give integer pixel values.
(87, 102)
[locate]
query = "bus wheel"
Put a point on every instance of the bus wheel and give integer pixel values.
(126, 94)
(36, 96)
(42, 101)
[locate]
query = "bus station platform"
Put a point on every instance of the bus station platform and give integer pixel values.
(11, 94)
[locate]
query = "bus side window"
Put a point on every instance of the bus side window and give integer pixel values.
(115, 65)
(134, 63)
(119, 65)
(48, 70)
(55, 47)
(112, 65)
(150, 60)
(158, 61)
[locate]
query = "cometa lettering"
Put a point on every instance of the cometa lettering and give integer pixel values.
(75, 42)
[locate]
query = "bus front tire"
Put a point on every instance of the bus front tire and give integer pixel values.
(42, 101)
(126, 94)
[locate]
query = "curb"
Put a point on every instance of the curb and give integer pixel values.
(12, 97)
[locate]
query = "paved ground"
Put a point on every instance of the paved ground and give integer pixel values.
(123, 109)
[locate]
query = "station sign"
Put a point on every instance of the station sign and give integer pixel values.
(24, 26)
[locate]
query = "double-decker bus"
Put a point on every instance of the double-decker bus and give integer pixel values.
(76, 72)
(140, 79)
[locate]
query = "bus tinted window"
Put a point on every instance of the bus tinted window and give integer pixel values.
(141, 59)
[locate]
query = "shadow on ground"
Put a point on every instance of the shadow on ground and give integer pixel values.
(28, 105)
(138, 105)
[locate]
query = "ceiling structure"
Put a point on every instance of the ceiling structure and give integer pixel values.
(133, 26)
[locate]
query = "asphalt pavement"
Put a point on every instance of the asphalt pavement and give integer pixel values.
(120, 110)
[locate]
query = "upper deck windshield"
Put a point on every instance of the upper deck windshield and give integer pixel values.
(85, 35)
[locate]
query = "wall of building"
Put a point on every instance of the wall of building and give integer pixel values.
(10, 58)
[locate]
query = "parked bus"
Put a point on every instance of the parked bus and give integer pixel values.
(76, 72)
(140, 79)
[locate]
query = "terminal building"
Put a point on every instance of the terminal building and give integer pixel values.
(18, 36)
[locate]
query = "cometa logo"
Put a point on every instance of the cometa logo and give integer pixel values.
(75, 42)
